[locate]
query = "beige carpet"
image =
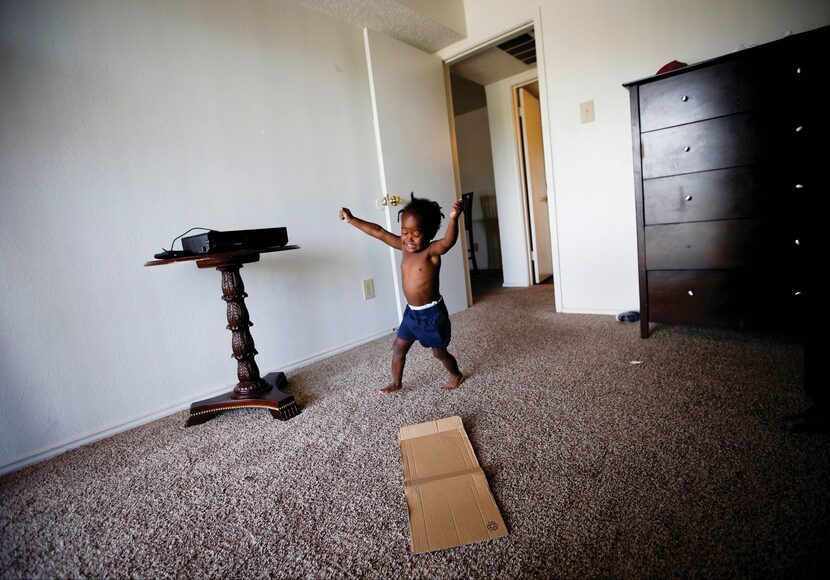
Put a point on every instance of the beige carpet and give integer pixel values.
(673, 467)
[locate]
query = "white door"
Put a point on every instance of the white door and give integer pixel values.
(537, 188)
(413, 134)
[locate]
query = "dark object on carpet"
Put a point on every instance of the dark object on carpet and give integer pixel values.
(812, 420)
(628, 317)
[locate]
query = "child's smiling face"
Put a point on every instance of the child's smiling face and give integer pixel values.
(412, 237)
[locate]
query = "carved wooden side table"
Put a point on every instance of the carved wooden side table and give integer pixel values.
(252, 391)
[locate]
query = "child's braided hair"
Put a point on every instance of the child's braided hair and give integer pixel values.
(427, 211)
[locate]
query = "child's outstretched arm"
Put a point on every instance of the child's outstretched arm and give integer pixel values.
(371, 229)
(443, 245)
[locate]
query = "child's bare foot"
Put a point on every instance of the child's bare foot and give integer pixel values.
(390, 388)
(455, 382)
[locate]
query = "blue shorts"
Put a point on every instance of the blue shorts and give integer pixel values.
(430, 326)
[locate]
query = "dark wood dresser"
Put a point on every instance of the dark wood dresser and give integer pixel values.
(728, 174)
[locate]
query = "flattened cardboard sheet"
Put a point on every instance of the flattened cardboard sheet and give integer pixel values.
(449, 500)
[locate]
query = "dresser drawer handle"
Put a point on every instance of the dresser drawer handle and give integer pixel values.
(691, 292)
(687, 149)
(685, 98)
(688, 198)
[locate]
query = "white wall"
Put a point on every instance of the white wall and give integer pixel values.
(122, 124)
(475, 160)
(588, 50)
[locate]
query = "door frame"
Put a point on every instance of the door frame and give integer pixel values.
(471, 46)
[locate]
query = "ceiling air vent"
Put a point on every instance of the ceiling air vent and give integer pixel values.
(522, 47)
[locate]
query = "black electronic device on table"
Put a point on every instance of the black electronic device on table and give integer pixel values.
(215, 241)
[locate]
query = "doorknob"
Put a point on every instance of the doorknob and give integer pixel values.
(392, 200)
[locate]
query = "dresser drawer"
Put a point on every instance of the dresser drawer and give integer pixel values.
(702, 245)
(738, 192)
(698, 296)
(694, 96)
(791, 244)
(702, 146)
(788, 76)
(722, 297)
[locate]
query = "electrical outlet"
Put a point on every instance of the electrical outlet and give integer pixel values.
(368, 288)
(586, 111)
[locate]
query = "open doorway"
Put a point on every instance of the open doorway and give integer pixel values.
(475, 167)
(503, 239)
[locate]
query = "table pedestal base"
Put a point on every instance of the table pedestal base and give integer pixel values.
(280, 404)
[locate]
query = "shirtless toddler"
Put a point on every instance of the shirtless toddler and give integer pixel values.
(425, 318)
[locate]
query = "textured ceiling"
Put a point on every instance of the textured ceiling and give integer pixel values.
(489, 66)
(390, 18)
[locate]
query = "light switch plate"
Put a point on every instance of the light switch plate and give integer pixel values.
(586, 111)
(368, 288)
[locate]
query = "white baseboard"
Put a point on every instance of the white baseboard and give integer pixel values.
(592, 311)
(181, 405)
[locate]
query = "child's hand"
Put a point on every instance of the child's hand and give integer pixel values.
(456, 210)
(345, 215)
